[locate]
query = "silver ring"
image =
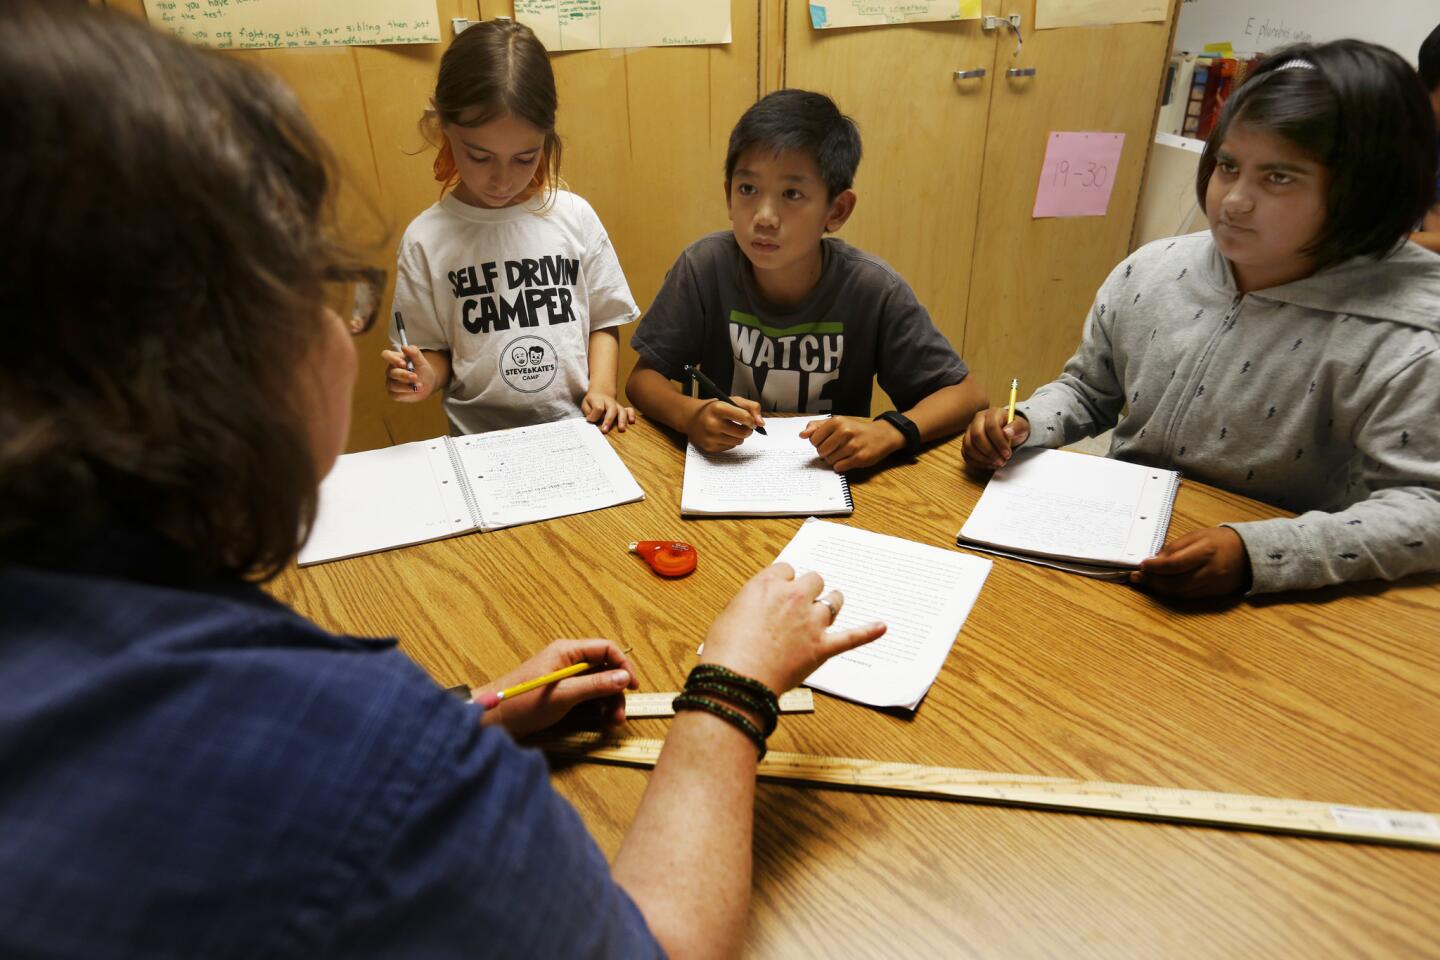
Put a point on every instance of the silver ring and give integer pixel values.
(829, 605)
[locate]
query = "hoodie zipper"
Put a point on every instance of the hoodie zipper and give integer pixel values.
(1183, 407)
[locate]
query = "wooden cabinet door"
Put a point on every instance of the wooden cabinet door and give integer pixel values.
(945, 189)
(923, 133)
(1036, 279)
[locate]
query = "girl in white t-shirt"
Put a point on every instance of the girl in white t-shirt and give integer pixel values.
(508, 288)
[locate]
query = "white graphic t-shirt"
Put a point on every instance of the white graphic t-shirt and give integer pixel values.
(513, 296)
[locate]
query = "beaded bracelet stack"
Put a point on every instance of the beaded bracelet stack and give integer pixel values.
(710, 680)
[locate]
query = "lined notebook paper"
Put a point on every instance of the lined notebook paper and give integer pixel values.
(432, 489)
(1083, 514)
(922, 593)
(779, 475)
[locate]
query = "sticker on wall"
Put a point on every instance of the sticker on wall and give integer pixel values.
(1078, 175)
(875, 13)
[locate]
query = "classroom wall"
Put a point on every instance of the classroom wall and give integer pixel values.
(645, 133)
(1167, 202)
(1257, 26)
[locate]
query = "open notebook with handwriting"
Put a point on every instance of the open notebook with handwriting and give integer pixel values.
(778, 474)
(1083, 514)
(431, 489)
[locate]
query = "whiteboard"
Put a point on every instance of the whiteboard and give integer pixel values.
(1257, 26)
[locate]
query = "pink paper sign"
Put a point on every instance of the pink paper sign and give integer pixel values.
(1078, 175)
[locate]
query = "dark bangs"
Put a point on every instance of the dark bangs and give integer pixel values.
(1363, 112)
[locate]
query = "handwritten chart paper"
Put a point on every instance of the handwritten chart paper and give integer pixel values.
(253, 24)
(873, 13)
(1078, 175)
(1093, 13)
(597, 24)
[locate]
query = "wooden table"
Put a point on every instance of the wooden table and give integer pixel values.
(1330, 696)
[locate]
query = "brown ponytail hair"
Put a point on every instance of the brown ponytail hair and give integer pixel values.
(493, 68)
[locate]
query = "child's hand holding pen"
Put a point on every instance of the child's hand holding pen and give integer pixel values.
(990, 440)
(722, 422)
(410, 377)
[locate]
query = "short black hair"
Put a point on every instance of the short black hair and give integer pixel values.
(1359, 109)
(800, 120)
(1430, 60)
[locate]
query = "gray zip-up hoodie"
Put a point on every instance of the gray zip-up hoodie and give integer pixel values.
(1320, 396)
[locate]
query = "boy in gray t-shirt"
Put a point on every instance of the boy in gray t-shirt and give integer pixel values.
(783, 318)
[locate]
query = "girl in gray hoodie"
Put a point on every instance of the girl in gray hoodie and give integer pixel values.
(1292, 352)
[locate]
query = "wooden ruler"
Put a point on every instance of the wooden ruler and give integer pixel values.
(641, 705)
(1235, 811)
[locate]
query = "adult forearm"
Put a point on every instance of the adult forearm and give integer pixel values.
(686, 859)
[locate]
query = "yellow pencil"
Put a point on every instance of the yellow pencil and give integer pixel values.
(491, 700)
(1014, 386)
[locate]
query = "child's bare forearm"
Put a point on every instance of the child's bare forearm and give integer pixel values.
(1429, 239)
(948, 410)
(656, 396)
(604, 361)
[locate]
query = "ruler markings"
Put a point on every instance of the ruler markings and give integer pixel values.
(1166, 804)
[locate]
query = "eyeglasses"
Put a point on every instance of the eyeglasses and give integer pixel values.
(355, 293)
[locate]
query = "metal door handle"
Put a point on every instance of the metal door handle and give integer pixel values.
(1012, 21)
(970, 74)
(1020, 72)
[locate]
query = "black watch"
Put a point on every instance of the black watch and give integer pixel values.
(907, 429)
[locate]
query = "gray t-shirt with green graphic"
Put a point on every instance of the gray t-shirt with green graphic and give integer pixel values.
(861, 322)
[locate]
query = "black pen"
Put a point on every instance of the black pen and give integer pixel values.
(708, 385)
(409, 364)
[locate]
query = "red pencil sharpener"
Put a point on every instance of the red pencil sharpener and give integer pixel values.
(669, 558)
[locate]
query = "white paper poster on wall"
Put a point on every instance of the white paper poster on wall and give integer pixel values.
(827, 14)
(1050, 14)
(1258, 26)
(597, 24)
(257, 24)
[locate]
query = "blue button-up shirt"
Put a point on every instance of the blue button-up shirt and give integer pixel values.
(190, 769)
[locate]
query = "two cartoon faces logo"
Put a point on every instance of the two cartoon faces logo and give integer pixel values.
(528, 364)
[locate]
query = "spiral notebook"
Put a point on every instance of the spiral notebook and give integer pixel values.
(1083, 514)
(776, 474)
(417, 492)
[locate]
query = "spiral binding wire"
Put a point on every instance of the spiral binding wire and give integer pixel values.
(1167, 503)
(471, 504)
